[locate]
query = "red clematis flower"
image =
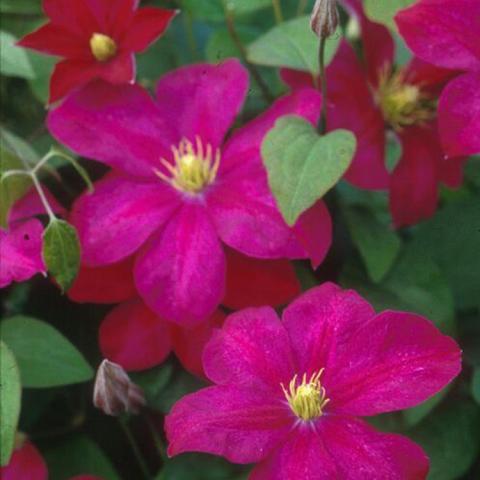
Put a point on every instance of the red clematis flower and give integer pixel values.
(374, 98)
(446, 33)
(97, 38)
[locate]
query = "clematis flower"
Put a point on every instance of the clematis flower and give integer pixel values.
(374, 100)
(447, 34)
(178, 192)
(96, 38)
(288, 392)
(136, 338)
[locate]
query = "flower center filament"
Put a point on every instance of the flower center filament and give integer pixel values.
(308, 399)
(194, 167)
(103, 47)
(403, 104)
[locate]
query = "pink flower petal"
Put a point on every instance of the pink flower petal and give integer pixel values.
(181, 271)
(393, 361)
(414, 182)
(202, 100)
(352, 106)
(251, 349)
(147, 25)
(445, 35)
(237, 423)
(296, 79)
(21, 252)
(30, 206)
(188, 343)
(117, 218)
(117, 125)
(459, 115)
(109, 284)
(319, 320)
(26, 463)
(314, 232)
(254, 283)
(134, 337)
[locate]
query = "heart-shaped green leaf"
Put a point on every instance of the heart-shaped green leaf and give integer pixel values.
(301, 165)
(384, 11)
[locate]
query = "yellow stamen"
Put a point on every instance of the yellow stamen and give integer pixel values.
(402, 103)
(193, 168)
(308, 399)
(103, 47)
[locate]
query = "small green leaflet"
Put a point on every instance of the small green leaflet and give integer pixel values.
(14, 61)
(384, 11)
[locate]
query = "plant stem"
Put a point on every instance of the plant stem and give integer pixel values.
(42, 196)
(277, 9)
(267, 95)
(135, 449)
(156, 439)
(322, 126)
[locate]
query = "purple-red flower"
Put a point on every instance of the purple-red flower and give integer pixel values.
(372, 98)
(446, 33)
(97, 38)
(178, 191)
(287, 392)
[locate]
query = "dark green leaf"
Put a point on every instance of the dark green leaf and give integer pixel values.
(10, 398)
(14, 60)
(45, 357)
(415, 415)
(21, 6)
(221, 46)
(383, 11)
(291, 44)
(303, 166)
(476, 385)
(61, 252)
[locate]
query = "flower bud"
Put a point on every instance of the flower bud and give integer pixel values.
(324, 19)
(114, 393)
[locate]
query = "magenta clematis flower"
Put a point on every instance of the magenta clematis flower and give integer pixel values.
(287, 392)
(373, 99)
(97, 38)
(178, 192)
(447, 34)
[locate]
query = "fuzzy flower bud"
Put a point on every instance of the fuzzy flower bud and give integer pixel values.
(324, 19)
(114, 393)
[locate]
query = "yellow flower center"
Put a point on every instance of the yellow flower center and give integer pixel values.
(402, 103)
(308, 399)
(103, 47)
(194, 167)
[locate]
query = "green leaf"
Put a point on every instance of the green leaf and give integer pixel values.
(382, 11)
(451, 438)
(21, 6)
(19, 147)
(61, 252)
(213, 10)
(10, 399)
(45, 357)
(476, 385)
(393, 151)
(14, 61)
(292, 44)
(415, 415)
(301, 165)
(76, 456)
(221, 46)
(378, 244)
(74, 163)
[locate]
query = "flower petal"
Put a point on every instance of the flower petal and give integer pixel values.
(21, 252)
(134, 337)
(113, 16)
(251, 349)
(188, 343)
(296, 79)
(26, 463)
(120, 69)
(181, 271)
(393, 361)
(117, 125)
(254, 283)
(109, 284)
(147, 25)
(459, 116)
(117, 218)
(447, 37)
(74, 15)
(414, 182)
(30, 206)
(351, 106)
(203, 100)
(237, 423)
(319, 320)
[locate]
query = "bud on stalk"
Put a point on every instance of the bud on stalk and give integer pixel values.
(114, 393)
(324, 19)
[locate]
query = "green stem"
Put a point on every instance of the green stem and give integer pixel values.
(135, 449)
(277, 9)
(156, 439)
(267, 95)
(322, 126)
(42, 196)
